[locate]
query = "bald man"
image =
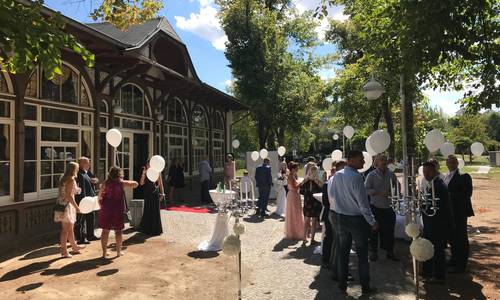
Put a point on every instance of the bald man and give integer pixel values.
(460, 190)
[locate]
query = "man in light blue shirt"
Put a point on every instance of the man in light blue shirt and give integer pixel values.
(355, 220)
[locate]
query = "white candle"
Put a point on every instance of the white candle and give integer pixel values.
(253, 192)
(397, 189)
(241, 192)
(246, 191)
(230, 186)
(433, 192)
(392, 189)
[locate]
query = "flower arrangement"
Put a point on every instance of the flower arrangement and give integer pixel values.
(412, 230)
(422, 249)
(239, 228)
(232, 245)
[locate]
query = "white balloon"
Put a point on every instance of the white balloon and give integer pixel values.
(433, 140)
(380, 141)
(157, 163)
(255, 155)
(114, 137)
(263, 153)
(421, 170)
(236, 144)
(369, 147)
(87, 205)
(281, 150)
(97, 206)
(348, 131)
(368, 162)
(335, 136)
(336, 155)
(327, 164)
(447, 149)
(461, 163)
(152, 174)
(477, 149)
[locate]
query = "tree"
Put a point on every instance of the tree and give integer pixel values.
(29, 37)
(270, 53)
(470, 128)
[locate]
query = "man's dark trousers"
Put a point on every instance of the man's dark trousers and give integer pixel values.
(386, 218)
(205, 194)
(264, 192)
(353, 228)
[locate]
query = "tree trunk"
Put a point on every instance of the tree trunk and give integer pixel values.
(390, 125)
(262, 134)
(280, 135)
(271, 141)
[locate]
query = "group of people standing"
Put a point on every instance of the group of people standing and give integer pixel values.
(78, 182)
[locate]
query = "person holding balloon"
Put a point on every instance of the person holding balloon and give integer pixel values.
(112, 202)
(84, 226)
(153, 194)
(66, 209)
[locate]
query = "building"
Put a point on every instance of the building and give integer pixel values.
(143, 83)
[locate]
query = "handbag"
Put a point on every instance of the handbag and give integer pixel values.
(59, 207)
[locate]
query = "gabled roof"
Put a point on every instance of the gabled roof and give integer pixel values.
(136, 35)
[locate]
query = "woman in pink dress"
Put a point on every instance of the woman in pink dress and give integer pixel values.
(294, 219)
(66, 198)
(112, 202)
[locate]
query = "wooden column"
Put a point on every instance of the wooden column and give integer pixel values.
(19, 81)
(96, 97)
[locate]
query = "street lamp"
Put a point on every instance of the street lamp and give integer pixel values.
(373, 89)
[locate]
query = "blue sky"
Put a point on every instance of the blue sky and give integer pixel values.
(196, 23)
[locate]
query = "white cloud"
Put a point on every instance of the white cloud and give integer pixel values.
(335, 12)
(204, 24)
(229, 82)
(326, 74)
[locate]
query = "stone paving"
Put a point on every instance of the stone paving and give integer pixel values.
(272, 268)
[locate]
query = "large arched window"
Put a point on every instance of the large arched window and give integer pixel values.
(176, 112)
(66, 88)
(218, 140)
(200, 135)
(3, 84)
(132, 100)
(6, 144)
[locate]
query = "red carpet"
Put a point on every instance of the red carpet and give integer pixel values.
(200, 210)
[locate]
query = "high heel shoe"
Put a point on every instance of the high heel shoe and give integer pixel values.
(66, 255)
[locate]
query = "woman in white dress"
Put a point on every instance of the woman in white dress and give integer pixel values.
(281, 183)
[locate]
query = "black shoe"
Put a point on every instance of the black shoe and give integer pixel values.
(392, 257)
(93, 238)
(373, 256)
(342, 288)
(83, 242)
(369, 291)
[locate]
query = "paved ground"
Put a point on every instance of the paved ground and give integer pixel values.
(169, 267)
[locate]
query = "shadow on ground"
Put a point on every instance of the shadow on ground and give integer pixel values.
(203, 254)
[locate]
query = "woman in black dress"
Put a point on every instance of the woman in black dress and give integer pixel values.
(312, 207)
(153, 193)
(175, 178)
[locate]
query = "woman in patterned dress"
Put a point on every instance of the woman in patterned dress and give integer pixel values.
(312, 207)
(67, 191)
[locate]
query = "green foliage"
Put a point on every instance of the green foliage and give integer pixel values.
(27, 38)
(123, 13)
(270, 50)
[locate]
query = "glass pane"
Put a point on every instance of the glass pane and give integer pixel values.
(132, 124)
(4, 109)
(116, 122)
(147, 126)
(126, 173)
(126, 99)
(126, 145)
(4, 142)
(60, 153)
(46, 167)
(86, 119)
(30, 112)
(58, 167)
(104, 122)
(3, 83)
(126, 162)
(86, 144)
(51, 134)
(51, 90)
(69, 135)
(71, 153)
(55, 180)
(69, 86)
(4, 178)
(29, 183)
(59, 116)
(102, 145)
(104, 108)
(46, 182)
(31, 88)
(138, 98)
(84, 98)
(102, 169)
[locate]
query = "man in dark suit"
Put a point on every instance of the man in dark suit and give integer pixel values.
(84, 226)
(437, 227)
(264, 181)
(460, 190)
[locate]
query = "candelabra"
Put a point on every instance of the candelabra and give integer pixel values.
(415, 202)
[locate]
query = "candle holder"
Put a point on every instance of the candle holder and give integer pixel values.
(415, 203)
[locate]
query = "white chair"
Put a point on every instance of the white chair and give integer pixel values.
(483, 170)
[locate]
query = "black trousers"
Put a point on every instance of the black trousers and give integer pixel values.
(205, 194)
(326, 251)
(264, 192)
(335, 243)
(84, 226)
(386, 218)
(436, 266)
(459, 242)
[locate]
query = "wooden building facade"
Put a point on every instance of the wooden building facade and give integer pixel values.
(143, 83)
